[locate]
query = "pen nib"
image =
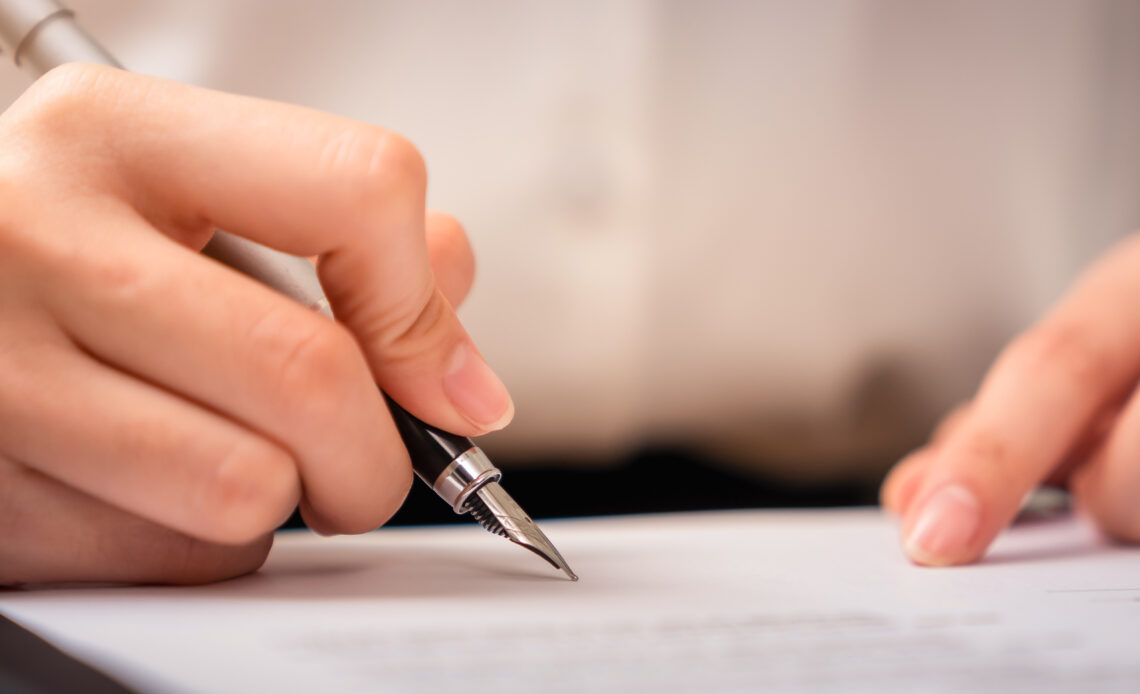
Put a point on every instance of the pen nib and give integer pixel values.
(498, 513)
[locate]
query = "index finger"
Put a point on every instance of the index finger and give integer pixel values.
(1034, 405)
(300, 181)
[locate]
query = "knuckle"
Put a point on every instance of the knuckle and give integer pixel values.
(147, 437)
(395, 161)
(989, 458)
(316, 361)
(40, 246)
(1065, 349)
(404, 336)
(64, 96)
(373, 163)
(108, 281)
(250, 490)
(985, 445)
(116, 279)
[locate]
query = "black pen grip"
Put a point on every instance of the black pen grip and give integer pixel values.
(431, 449)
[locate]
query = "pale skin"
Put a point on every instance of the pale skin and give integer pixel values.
(1059, 405)
(161, 414)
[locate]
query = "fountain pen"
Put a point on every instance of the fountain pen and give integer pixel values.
(41, 34)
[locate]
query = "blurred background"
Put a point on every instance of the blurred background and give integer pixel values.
(730, 253)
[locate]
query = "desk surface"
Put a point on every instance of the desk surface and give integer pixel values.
(715, 602)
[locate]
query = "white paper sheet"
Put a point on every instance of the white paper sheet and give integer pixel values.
(715, 602)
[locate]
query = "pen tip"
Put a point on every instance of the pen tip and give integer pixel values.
(497, 511)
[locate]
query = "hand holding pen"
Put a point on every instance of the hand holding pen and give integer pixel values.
(160, 413)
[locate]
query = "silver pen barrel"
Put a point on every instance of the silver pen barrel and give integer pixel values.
(41, 34)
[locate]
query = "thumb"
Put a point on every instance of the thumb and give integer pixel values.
(423, 359)
(382, 286)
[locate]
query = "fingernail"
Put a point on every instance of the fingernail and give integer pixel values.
(476, 391)
(944, 526)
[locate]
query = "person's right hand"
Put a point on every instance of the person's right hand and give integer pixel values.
(161, 414)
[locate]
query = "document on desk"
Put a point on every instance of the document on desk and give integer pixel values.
(819, 601)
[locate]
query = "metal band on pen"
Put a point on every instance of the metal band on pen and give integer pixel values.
(39, 35)
(464, 476)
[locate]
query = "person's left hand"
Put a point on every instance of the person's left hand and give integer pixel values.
(1059, 406)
